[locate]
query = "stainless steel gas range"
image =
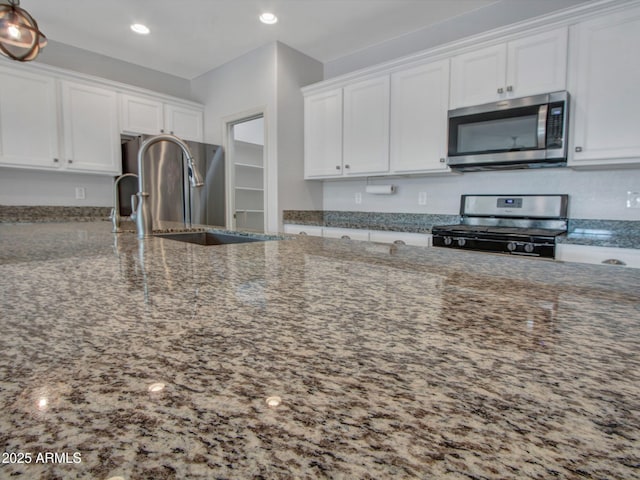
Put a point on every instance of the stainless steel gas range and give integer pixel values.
(511, 224)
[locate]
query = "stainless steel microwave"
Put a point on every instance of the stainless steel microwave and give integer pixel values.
(527, 132)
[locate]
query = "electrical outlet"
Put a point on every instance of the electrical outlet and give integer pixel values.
(422, 198)
(358, 197)
(80, 193)
(633, 199)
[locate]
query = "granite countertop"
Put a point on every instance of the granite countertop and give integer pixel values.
(597, 233)
(389, 361)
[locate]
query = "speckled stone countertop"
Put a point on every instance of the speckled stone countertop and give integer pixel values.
(602, 233)
(390, 361)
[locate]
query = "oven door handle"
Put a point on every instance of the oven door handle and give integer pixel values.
(542, 125)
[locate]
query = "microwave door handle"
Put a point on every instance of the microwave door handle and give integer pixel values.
(542, 125)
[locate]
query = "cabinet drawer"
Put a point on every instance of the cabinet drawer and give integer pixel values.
(312, 230)
(347, 233)
(629, 257)
(408, 238)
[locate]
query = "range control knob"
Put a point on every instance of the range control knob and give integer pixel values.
(448, 241)
(528, 247)
(461, 242)
(511, 246)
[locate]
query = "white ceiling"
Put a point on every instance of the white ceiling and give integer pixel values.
(191, 37)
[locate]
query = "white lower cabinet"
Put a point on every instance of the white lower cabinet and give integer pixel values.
(629, 257)
(295, 229)
(406, 238)
(378, 236)
(346, 233)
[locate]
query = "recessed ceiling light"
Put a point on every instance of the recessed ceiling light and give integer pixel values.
(268, 18)
(141, 29)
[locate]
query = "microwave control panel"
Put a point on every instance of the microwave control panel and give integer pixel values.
(555, 125)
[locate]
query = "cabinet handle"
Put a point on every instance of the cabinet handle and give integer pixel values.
(162, 130)
(346, 166)
(613, 261)
(510, 88)
(69, 161)
(442, 160)
(345, 237)
(337, 167)
(302, 233)
(399, 242)
(55, 160)
(501, 90)
(578, 149)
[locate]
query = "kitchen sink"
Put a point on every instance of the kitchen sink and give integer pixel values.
(210, 238)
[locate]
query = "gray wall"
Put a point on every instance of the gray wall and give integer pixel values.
(295, 70)
(592, 194)
(72, 58)
(34, 187)
(499, 14)
(269, 79)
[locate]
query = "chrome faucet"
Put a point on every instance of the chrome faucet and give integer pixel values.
(142, 212)
(115, 211)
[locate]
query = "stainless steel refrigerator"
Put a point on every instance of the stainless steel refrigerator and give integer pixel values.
(167, 182)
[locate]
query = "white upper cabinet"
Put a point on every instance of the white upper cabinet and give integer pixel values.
(28, 120)
(90, 125)
(419, 103)
(526, 66)
(477, 77)
(140, 115)
(323, 134)
(604, 82)
(366, 127)
(184, 122)
(144, 115)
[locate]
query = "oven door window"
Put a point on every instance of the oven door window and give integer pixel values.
(495, 132)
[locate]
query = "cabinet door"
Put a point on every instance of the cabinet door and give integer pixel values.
(366, 127)
(537, 64)
(605, 75)
(419, 102)
(183, 122)
(346, 233)
(406, 238)
(312, 230)
(323, 134)
(139, 115)
(478, 77)
(91, 133)
(28, 120)
(618, 257)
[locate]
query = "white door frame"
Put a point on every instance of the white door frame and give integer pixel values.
(227, 143)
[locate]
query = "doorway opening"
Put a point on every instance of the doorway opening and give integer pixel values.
(246, 167)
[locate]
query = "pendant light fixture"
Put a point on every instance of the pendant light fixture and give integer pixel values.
(20, 38)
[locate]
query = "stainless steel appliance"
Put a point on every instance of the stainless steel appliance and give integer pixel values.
(512, 224)
(166, 180)
(527, 132)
